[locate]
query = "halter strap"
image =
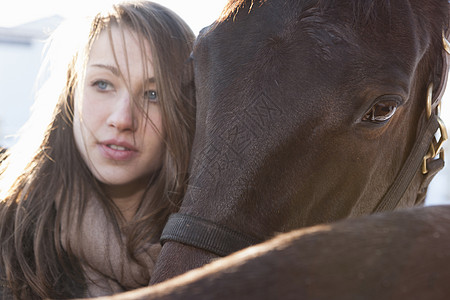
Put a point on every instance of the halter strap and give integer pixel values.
(411, 167)
(426, 149)
(205, 235)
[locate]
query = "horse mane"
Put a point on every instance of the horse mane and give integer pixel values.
(233, 6)
(366, 11)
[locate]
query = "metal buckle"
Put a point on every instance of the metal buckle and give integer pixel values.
(435, 146)
(446, 43)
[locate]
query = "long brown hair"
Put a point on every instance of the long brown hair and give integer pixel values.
(33, 262)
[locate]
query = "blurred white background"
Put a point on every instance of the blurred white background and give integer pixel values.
(25, 24)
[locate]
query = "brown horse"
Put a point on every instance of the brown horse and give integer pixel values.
(309, 112)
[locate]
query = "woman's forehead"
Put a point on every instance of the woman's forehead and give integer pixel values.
(122, 48)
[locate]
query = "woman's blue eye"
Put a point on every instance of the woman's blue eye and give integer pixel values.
(151, 95)
(102, 85)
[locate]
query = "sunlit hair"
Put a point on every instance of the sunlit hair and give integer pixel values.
(44, 175)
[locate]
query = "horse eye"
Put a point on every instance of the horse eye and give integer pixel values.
(381, 112)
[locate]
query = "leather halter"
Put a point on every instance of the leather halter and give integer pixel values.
(426, 153)
(206, 235)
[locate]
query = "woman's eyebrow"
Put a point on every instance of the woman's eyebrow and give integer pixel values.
(116, 72)
(111, 68)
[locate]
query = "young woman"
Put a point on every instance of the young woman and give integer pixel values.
(83, 216)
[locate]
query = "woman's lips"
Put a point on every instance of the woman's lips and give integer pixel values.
(119, 151)
(115, 147)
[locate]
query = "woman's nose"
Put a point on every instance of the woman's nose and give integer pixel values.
(122, 116)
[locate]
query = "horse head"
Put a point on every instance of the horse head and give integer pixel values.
(308, 112)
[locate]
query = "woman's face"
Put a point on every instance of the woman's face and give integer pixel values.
(121, 144)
